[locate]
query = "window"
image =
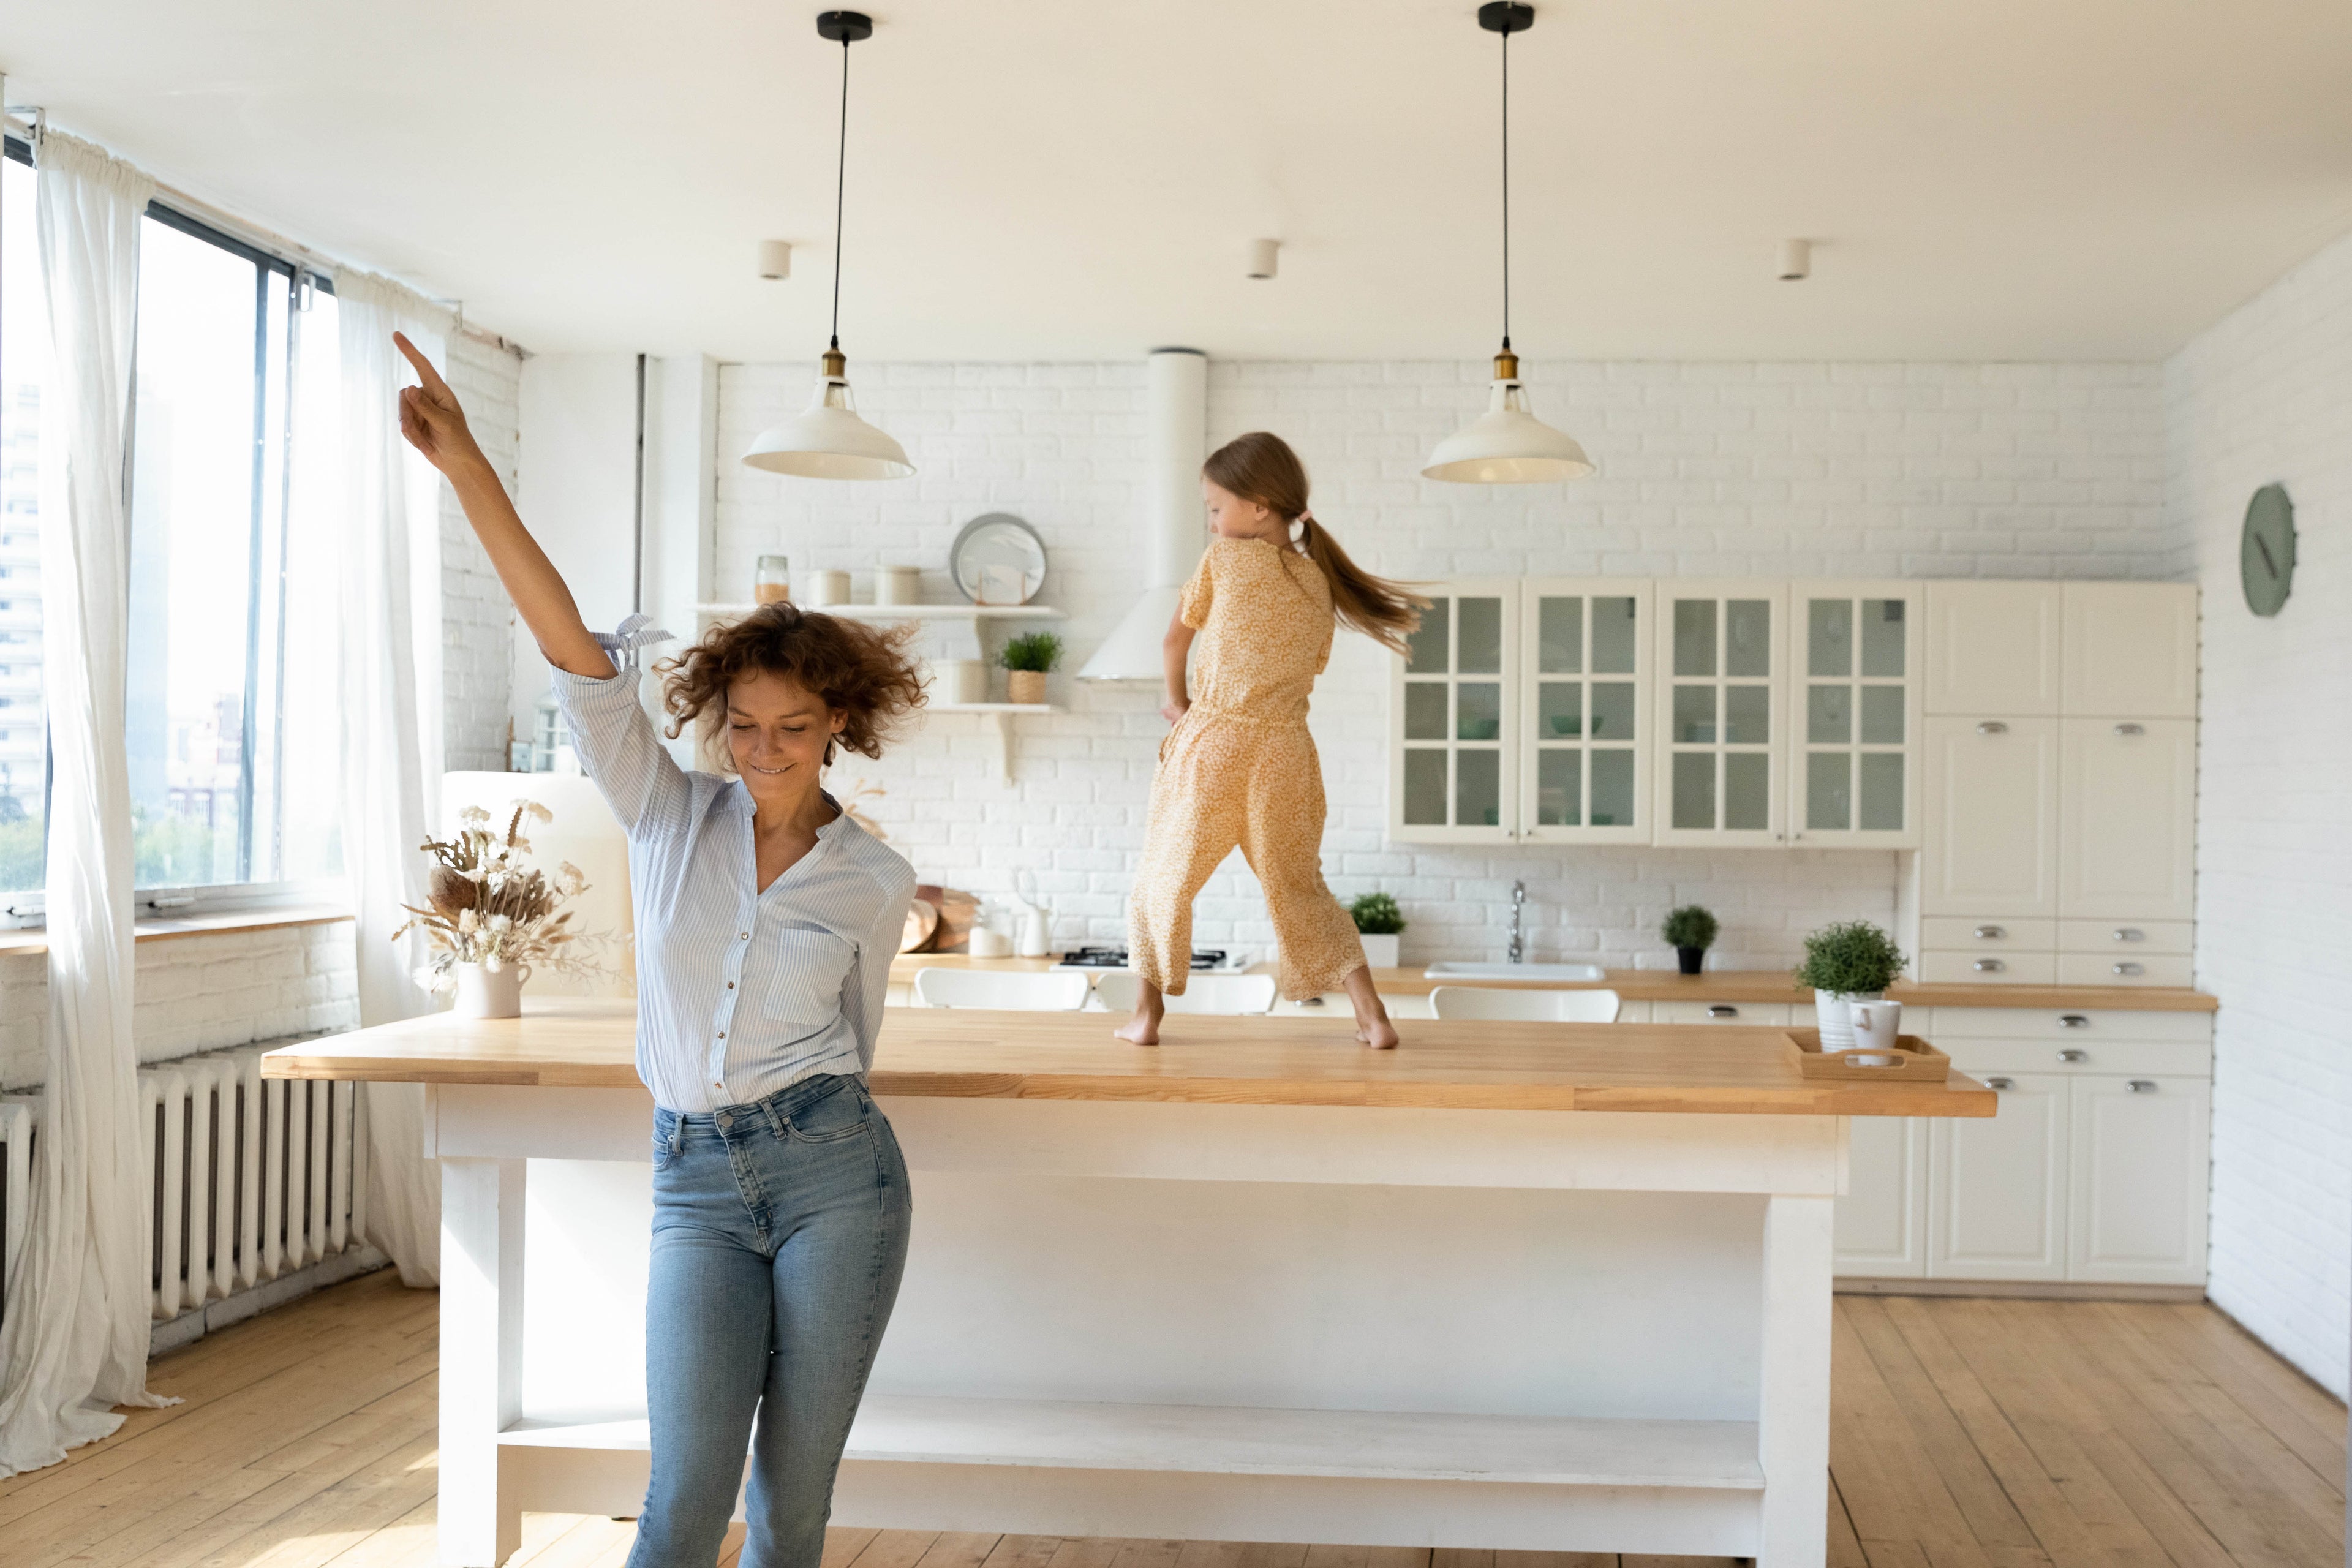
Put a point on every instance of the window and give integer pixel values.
(24, 365)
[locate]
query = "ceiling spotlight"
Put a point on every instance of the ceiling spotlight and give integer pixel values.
(775, 258)
(1263, 255)
(1796, 261)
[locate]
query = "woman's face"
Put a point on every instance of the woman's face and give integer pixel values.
(1231, 517)
(777, 730)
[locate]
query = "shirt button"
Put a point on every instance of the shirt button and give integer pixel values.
(743, 935)
(722, 1034)
(731, 985)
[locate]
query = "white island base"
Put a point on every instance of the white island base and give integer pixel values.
(1587, 1331)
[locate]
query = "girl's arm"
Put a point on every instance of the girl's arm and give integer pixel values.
(436, 426)
(1175, 650)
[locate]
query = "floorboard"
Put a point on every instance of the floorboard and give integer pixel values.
(1964, 1433)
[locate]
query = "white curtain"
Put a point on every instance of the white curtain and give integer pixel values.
(74, 1343)
(390, 688)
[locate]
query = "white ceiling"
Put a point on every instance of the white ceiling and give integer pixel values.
(1045, 179)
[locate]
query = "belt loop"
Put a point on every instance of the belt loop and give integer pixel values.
(777, 1123)
(676, 1136)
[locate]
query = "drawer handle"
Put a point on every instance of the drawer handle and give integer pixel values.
(1990, 966)
(2073, 1021)
(1989, 933)
(2142, 1085)
(2072, 1055)
(2131, 729)
(2001, 1085)
(2130, 933)
(2131, 968)
(1720, 1010)
(1992, 727)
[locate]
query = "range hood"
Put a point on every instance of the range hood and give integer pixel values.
(1175, 443)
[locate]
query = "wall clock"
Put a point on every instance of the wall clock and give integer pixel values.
(2266, 550)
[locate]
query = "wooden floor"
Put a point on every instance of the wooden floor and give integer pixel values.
(1967, 1433)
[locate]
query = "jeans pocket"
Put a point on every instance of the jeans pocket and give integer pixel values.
(662, 1156)
(830, 1116)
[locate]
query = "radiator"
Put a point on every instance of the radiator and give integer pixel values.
(249, 1180)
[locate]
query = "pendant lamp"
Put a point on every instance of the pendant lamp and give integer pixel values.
(1508, 445)
(827, 440)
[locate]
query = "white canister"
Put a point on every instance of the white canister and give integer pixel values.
(959, 680)
(898, 585)
(490, 992)
(987, 941)
(826, 588)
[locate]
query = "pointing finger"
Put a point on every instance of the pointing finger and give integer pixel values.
(425, 373)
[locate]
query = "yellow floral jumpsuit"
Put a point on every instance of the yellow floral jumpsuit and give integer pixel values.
(1240, 769)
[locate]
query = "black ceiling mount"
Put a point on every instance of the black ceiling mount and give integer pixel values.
(849, 27)
(1502, 17)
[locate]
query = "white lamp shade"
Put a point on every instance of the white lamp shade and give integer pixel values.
(1508, 445)
(827, 440)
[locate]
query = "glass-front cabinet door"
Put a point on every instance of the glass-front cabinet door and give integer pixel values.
(1584, 711)
(1454, 726)
(1721, 696)
(1853, 657)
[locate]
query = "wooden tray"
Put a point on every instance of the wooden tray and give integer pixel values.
(1916, 1061)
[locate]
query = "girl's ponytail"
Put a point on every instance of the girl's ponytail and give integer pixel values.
(1261, 467)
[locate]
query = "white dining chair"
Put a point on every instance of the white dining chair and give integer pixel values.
(1011, 991)
(1227, 994)
(1524, 1007)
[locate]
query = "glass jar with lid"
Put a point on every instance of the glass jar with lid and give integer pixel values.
(772, 584)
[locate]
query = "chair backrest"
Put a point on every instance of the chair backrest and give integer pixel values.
(1017, 991)
(1528, 1007)
(1203, 992)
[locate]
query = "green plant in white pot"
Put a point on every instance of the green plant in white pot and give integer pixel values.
(1378, 922)
(1850, 961)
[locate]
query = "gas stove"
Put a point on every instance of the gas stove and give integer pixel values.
(1115, 958)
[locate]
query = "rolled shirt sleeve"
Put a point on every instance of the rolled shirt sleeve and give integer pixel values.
(619, 748)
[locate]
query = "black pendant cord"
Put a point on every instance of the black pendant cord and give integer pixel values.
(1507, 190)
(840, 174)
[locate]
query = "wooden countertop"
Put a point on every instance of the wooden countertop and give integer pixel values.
(1716, 1069)
(1721, 985)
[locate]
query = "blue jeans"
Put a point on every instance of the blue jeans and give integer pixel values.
(780, 1235)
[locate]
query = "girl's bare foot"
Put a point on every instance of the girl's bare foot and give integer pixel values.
(1373, 1026)
(1143, 1029)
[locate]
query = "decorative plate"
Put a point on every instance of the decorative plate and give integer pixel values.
(998, 560)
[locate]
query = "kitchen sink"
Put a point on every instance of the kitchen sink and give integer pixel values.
(1562, 971)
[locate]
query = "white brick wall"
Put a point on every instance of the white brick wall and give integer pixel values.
(1804, 469)
(2265, 396)
(475, 616)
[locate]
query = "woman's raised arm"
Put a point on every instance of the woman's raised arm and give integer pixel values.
(434, 424)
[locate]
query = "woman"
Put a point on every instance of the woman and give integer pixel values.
(766, 920)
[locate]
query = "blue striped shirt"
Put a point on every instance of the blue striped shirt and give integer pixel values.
(740, 993)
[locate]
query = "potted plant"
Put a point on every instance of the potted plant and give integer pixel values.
(1026, 658)
(1690, 932)
(1850, 961)
(1377, 923)
(495, 917)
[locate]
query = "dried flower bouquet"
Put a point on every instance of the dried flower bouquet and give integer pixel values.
(491, 907)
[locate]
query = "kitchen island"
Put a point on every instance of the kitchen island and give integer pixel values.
(1549, 1287)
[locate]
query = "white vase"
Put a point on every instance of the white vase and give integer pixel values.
(490, 994)
(1833, 1016)
(1380, 952)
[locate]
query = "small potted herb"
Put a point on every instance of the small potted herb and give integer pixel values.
(1850, 961)
(1027, 658)
(1690, 932)
(1377, 923)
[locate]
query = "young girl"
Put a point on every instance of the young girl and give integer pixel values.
(1239, 767)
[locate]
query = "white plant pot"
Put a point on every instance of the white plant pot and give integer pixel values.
(1834, 1018)
(490, 994)
(1380, 952)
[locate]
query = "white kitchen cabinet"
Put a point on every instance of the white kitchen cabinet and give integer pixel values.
(1854, 658)
(1992, 648)
(2129, 650)
(1746, 1013)
(1585, 710)
(2128, 819)
(2138, 1179)
(1722, 713)
(1454, 722)
(1996, 1188)
(1992, 819)
(1880, 1230)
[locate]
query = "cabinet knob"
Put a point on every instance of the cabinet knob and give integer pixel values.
(2073, 1021)
(2131, 729)
(2072, 1055)
(1990, 966)
(2130, 968)
(1992, 727)
(1720, 1010)
(2001, 1084)
(1989, 933)
(2142, 1085)
(2130, 933)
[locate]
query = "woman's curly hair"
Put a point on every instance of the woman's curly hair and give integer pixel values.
(853, 667)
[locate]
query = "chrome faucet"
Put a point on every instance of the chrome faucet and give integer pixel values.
(1517, 953)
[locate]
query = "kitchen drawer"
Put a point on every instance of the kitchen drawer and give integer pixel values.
(1954, 933)
(1993, 1022)
(2170, 1059)
(2123, 969)
(2124, 939)
(1773, 1012)
(1632, 1012)
(1970, 968)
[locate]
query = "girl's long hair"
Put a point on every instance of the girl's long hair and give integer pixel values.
(1260, 467)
